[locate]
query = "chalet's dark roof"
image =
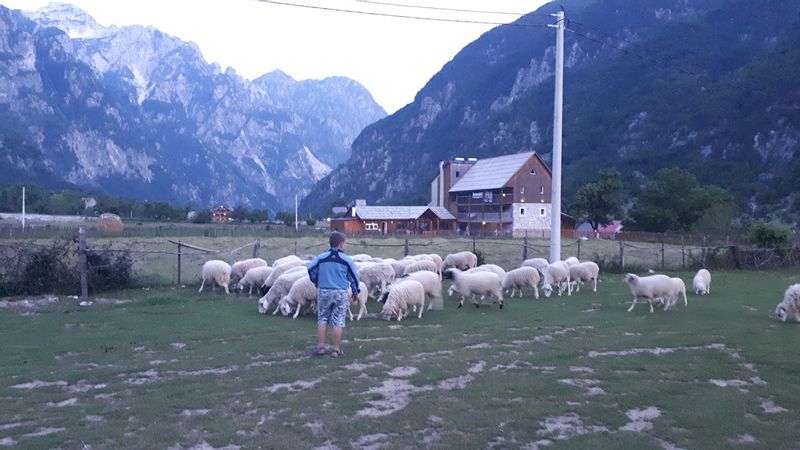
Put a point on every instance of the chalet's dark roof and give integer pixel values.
(491, 173)
(400, 212)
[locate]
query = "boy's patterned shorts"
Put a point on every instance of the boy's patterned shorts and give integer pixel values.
(332, 306)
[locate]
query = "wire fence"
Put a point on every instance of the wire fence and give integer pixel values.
(157, 260)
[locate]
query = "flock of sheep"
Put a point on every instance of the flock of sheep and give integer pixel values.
(404, 285)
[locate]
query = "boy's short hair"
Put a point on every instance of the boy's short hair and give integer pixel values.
(336, 239)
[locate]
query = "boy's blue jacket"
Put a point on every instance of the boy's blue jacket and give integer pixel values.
(333, 269)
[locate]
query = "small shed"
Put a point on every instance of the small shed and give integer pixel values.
(109, 223)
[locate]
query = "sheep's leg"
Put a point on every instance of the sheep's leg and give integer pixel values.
(651, 304)
(594, 285)
(685, 301)
(362, 311)
(349, 312)
(632, 305)
(420, 311)
(536, 292)
(461, 303)
(201, 286)
(667, 303)
(569, 287)
(277, 308)
(296, 313)
(450, 291)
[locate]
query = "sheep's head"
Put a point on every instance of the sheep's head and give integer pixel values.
(547, 289)
(630, 279)
(285, 307)
(780, 312)
(263, 305)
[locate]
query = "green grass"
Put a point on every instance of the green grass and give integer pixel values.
(172, 367)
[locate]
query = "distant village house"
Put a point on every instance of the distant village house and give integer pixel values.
(221, 214)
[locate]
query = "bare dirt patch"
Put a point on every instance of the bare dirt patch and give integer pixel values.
(565, 427)
(36, 384)
(44, 432)
(743, 439)
(589, 386)
(391, 396)
(402, 372)
(295, 386)
(640, 419)
(68, 402)
(7, 442)
(371, 441)
(770, 407)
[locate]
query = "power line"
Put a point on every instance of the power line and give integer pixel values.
(434, 8)
(400, 16)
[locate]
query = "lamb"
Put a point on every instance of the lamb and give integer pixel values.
(239, 268)
(653, 287)
(254, 277)
(482, 283)
(216, 272)
(281, 269)
(422, 264)
(361, 299)
(584, 272)
(538, 263)
(402, 296)
(522, 277)
(790, 305)
(490, 268)
(430, 281)
(280, 288)
(461, 260)
(702, 282)
(285, 260)
(376, 276)
(556, 273)
(302, 294)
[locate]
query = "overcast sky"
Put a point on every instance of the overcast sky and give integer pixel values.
(392, 57)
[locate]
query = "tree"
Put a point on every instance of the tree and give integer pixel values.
(770, 234)
(675, 201)
(601, 202)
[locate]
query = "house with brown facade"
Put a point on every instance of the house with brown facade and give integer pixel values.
(363, 219)
(221, 214)
(507, 195)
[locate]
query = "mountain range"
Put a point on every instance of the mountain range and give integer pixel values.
(135, 112)
(710, 86)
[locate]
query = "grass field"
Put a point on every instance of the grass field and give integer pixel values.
(171, 368)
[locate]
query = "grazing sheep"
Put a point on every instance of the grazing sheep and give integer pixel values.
(652, 287)
(522, 277)
(402, 296)
(702, 282)
(399, 267)
(556, 273)
(538, 263)
(280, 288)
(302, 294)
(216, 272)
(571, 261)
(482, 283)
(422, 264)
(361, 300)
(362, 257)
(461, 260)
(376, 275)
(239, 268)
(430, 281)
(790, 305)
(254, 277)
(584, 272)
(490, 268)
(438, 261)
(281, 269)
(285, 260)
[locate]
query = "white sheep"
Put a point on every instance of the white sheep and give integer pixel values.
(678, 289)
(254, 277)
(302, 294)
(557, 274)
(285, 260)
(652, 288)
(586, 271)
(482, 283)
(790, 305)
(280, 269)
(402, 296)
(400, 267)
(538, 263)
(490, 268)
(376, 275)
(422, 264)
(701, 284)
(216, 272)
(571, 261)
(430, 281)
(361, 300)
(239, 268)
(362, 257)
(438, 261)
(461, 260)
(279, 288)
(520, 278)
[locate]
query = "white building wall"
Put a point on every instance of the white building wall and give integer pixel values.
(536, 217)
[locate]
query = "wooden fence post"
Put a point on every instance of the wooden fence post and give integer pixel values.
(295, 248)
(705, 244)
(525, 246)
(257, 248)
(662, 253)
(683, 254)
(82, 262)
(622, 256)
(405, 246)
(579, 249)
(179, 262)
(474, 250)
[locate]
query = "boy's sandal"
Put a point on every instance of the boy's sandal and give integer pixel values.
(336, 353)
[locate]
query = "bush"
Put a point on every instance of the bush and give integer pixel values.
(311, 222)
(481, 257)
(32, 269)
(109, 271)
(770, 234)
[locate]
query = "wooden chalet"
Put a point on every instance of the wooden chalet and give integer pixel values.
(221, 214)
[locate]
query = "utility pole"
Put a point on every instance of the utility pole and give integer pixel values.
(555, 222)
(23, 208)
(295, 213)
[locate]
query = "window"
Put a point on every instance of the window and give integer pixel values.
(522, 211)
(458, 173)
(533, 171)
(522, 190)
(371, 226)
(477, 195)
(541, 189)
(541, 212)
